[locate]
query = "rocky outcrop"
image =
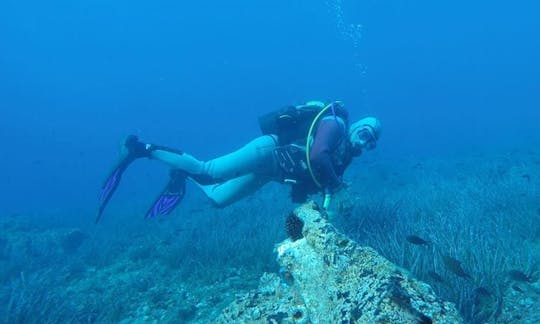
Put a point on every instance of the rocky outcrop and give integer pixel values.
(327, 278)
(521, 298)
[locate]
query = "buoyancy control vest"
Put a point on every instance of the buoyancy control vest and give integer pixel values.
(291, 124)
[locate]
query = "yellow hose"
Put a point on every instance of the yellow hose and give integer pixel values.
(315, 120)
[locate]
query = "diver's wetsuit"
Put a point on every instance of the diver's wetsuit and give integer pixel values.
(330, 153)
(229, 178)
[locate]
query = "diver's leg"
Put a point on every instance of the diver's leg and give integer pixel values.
(177, 159)
(255, 157)
(226, 193)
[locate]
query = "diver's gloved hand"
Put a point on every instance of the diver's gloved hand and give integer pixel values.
(341, 202)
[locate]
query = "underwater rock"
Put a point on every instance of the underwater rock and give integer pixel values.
(521, 294)
(521, 304)
(72, 240)
(5, 249)
(331, 279)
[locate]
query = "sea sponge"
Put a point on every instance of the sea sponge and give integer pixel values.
(293, 227)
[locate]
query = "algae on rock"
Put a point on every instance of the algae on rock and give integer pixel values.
(328, 278)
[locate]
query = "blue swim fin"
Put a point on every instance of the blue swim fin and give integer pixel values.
(171, 196)
(133, 149)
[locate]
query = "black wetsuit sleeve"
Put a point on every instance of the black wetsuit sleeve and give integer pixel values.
(327, 139)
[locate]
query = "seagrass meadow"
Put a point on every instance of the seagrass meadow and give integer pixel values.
(435, 104)
(480, 210)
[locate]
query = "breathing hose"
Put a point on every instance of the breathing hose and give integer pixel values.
(308, 149)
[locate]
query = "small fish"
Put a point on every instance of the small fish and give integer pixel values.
(436, 277)
(526, 177)
(481, 291)
(517, 275)
(417, 165)
(516, 288)
(417, 240)
(454, 265)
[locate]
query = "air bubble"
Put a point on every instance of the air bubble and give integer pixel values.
(349, 32)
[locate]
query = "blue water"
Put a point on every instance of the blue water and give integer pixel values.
(79, 75)
(446, 78)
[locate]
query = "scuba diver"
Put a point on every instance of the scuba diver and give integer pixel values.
(308, 146)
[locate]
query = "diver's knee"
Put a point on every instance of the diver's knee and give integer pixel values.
(218, 204)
